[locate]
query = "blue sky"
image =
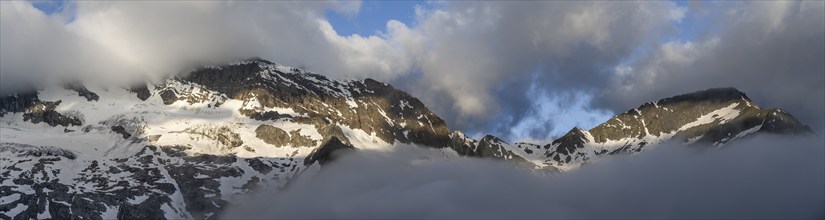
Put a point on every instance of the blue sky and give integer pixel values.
(373, 17)
(50, 6)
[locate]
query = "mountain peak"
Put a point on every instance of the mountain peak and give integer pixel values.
(259, 60)
(576, 130)
(713, 95)
(491, 139)
(713, 116)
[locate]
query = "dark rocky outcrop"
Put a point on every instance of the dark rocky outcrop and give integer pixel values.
(25, 150)
(35, 110)
(263, 115)
(82, 91)
(258, 165)
(141, 90)
(44, 112)
(122, 131)
(222, 134)
(780, 122)
(272, 135)
(462, 144)
(168, 97)
(566, 146)
(488, 147)
(278, 137)
(328, 151)
(18, 102)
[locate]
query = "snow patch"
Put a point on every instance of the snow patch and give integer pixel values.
(720, 116)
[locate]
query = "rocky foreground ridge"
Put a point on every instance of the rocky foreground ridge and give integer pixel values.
(191, 145)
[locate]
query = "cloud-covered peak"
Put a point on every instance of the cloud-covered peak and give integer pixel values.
(518, 70)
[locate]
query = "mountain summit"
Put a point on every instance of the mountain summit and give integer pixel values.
(189, 146)
(713, 116)
(710, 117)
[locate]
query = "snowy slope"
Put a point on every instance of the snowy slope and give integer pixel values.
(186, 147)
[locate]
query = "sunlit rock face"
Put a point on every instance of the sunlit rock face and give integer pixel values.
(710, 117)
(190, 146)
(186, 147)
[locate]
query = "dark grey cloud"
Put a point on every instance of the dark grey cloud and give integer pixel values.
(491, 63)
(478, 59)
(470, 61)
(763, 177)
(482, 66)
(773, 51)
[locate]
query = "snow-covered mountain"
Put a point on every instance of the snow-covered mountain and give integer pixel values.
(191, 145)
(710, 117)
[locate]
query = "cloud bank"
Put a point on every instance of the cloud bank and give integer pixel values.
(773, 51)
(486, 67)
(128, 41)
(762, 177)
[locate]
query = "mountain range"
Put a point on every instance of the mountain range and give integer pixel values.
(191, 145)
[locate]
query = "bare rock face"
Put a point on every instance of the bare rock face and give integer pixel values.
(25, 150)
(368, 105)
(44, 112)
(278, 137)
(223, 135)
(36, 111)
(462, 144)
(709, 117)
(328, 151)
(141, 90)
(567, 145)
(489, 147)
(82, 91)
(122, 131)
(18, 102)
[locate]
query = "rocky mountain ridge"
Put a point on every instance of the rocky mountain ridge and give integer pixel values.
(191, 145)
(709, 117)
